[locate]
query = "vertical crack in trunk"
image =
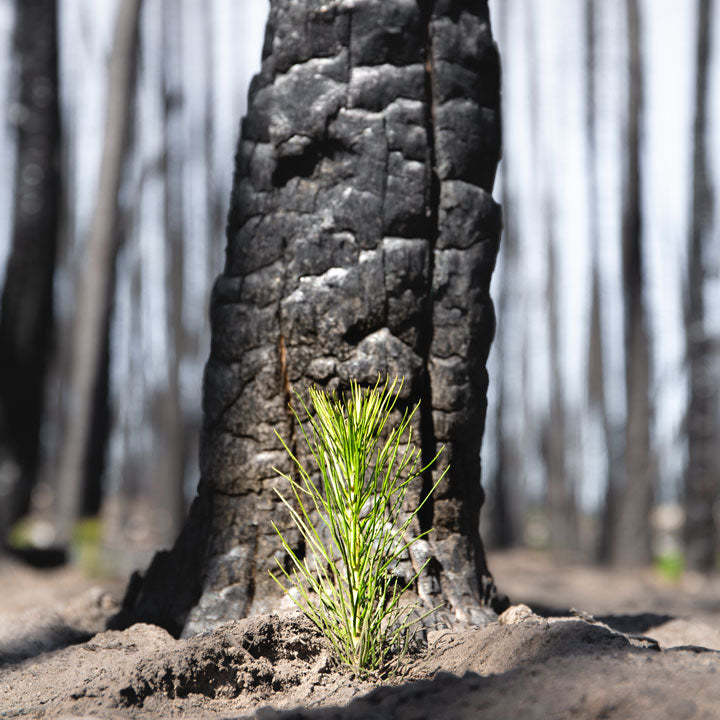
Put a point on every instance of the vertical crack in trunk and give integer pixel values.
(285, 386)
(292, 439)
(427, 425)
(287, 394)
(284, 378)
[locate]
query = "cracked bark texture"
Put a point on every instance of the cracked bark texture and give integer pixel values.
(361, 241)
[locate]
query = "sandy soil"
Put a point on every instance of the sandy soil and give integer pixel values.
(605, 644)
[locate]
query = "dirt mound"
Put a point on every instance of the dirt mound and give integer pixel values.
(249, 663)
(497, 648)
(633, 684)
(144, 671)
(642, 655)
(525, 666)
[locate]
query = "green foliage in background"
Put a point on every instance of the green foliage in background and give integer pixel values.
(670, 565)
(349, 512)
(87, 546)
(20, 535)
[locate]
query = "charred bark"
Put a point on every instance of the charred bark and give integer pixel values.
(26, 323)
(361, 241)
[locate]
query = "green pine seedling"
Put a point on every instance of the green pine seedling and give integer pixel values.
(346, 585)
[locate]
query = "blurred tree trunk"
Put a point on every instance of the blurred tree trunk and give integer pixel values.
(361, 240)
(503, 515)
(26, 319)
(631, 535)
(703, 470)
(504, 512)
(503, 523)
(597, 404)
(94, 298)
(562, 515)
(144, 505)
(169, 467)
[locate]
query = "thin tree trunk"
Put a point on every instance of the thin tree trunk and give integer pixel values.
(632, 539)
(96, 284)
(26, 322)
(597, 403)
(562, 517)
(503, 519)
(596, 366)
(702, 474)
(169, 471)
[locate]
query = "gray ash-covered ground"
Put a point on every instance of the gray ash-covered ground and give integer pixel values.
(633, 647)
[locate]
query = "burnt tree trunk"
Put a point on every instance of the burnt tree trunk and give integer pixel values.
(26, 323)
(703, 470)
(361, 241)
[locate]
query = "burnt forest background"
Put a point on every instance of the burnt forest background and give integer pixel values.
(117, 140)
